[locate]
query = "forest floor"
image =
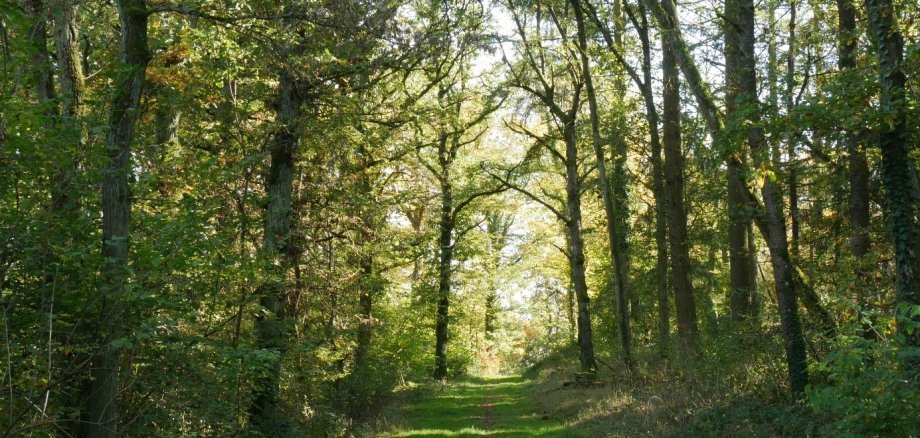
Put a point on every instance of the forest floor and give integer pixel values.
(735, 396)
(476, 406)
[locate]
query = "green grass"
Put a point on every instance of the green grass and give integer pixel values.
(495, 407)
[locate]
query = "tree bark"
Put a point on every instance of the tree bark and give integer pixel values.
(897, 171)
(685, 306)
(618, 181)
(370, 284)
(41, 71)
(858, 174)
(658, 185)
(792, 164)
(166, 119)
(100, 417)
(369, 288)
(497, 226)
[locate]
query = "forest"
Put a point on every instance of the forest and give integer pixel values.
(521, 218)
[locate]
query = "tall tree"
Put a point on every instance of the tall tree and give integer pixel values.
(858, 174)
(72, 95)
(498, 228)
(897, 171)
(273, 324)
(644, 83)
(685, 307)
(41, 72)
(617, 257)
(740, 243)
(101, 393)
(459, 130)
(768, 217)
(542, 74)
(745, 112)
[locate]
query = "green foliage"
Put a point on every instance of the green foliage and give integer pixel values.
(864, 390)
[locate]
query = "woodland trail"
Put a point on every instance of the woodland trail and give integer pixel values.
(478, 406)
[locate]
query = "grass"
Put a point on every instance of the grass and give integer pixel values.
(732, 389)
(476, 406)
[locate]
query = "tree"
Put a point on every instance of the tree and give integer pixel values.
(498, 228)
(538, 74)
(897, 171)
(769, 218)
(617, 257)
(460, 128)
(738, 82)
(644, 83)
(101, 393)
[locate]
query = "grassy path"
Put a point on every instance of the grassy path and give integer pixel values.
(499, 407)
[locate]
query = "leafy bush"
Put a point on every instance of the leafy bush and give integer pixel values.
(866, 390)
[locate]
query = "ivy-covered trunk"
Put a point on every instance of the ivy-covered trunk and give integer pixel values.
(659, 188)
(742, 263)
(858, 167)
(897, 173)
(72, 96)
(369, 285)
(41, 73)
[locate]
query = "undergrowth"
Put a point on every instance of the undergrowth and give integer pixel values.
(728, 389)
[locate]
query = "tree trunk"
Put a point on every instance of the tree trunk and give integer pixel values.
(166, 118)
(740, 14)
(273, 325)
(618, 183)
(858, 174)
(41, 72)
(100, 419)
(577, 249)
(658, 186)
(497, 225)
(897, 170)
(570, 308)
(446, 229)
(72, 92)
(858, 167)
(742, 262)
(370, 284)
(792, 331)
(613, 234)
(369, 287)
(685, 306)
(791, 166)
(490, 316)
